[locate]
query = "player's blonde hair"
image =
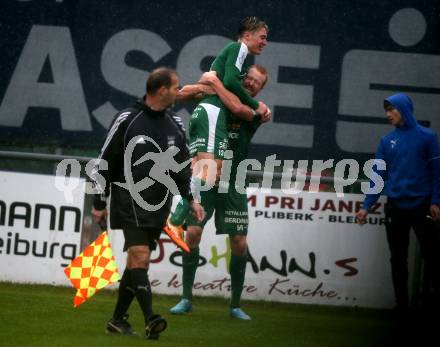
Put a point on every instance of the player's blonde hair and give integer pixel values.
(251, 24)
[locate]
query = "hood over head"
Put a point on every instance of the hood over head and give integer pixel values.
(404, 105)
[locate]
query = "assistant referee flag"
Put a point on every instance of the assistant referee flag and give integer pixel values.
(93, 269)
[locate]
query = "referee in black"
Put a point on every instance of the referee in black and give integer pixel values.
(140, 210)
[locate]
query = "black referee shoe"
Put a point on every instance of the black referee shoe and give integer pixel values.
(156, 324)
(120, 326)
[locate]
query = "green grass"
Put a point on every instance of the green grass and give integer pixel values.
(37, 315)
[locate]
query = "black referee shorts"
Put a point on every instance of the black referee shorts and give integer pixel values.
(138, 236)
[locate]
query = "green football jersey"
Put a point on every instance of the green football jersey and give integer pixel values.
(240, 133)
(231, 64)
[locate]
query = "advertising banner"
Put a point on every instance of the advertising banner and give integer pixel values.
(304, 248)
(67, 66)
(40, 230)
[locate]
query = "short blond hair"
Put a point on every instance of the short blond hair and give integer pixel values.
(251, 24)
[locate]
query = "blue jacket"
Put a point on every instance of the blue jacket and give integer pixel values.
(412, 156)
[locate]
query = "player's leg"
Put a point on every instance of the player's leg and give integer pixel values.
(207, 143)
(205, 173)
(190, 260)
(237, 269)
(173, 227)
(232, 218)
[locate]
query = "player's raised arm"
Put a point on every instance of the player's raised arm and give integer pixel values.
(193, 92)
(231, 101)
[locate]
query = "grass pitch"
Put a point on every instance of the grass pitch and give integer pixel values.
(40, 315)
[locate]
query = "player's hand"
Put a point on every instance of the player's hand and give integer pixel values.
(267, 116)
(99, 215)
(206, 89)
(262, 108)
(198, 211)
(209, 77)
(361, 216)
(435, 212)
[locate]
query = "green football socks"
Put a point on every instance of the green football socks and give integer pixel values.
(190, 263)
(237, 268)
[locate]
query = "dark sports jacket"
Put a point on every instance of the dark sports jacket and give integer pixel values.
(145, 135)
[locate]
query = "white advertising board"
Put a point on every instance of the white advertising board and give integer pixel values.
(39, 231)
(304, 248)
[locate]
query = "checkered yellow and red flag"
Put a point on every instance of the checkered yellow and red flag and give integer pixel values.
(93, 269)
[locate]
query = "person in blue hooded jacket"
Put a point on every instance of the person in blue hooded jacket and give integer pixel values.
(412, 156)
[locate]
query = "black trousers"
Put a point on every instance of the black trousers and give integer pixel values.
(398, 224)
